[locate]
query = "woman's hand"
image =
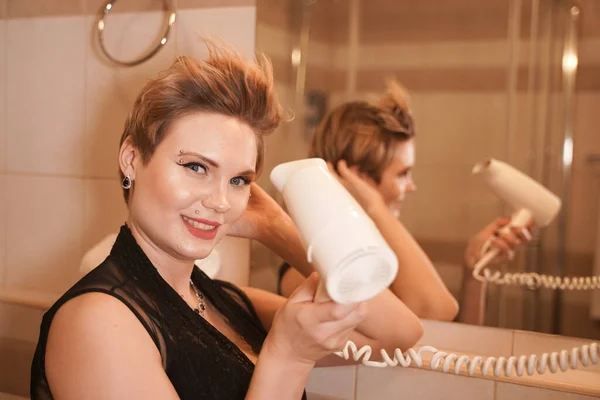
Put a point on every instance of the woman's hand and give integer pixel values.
(304, 332)
(507, 242)
(260, 217)
(362, 188)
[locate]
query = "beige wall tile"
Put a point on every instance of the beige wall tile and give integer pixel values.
(508, 391)
(3, 236)
(112, 90)
(105, 210)
(93, 6)
(455, 128)
(583, 209)
(467, 339)
(412, 383)
(577, 321)
(336, 382)
(3, 136)
(15, 364)
(20, 322)
(586, 140)
(43, 256)
(45, 85)
(46, 8)
(234, 25)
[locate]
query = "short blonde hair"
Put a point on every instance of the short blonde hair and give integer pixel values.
(364, 134)
(224, 83)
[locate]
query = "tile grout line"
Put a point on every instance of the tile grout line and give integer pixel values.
(4, 271)
(356, 381)
(84, 142)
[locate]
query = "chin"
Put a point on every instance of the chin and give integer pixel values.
(195, 250)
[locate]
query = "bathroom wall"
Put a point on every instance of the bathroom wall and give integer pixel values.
(62, 109)
(453, 58)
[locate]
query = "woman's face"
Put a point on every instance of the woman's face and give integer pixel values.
(396, 180)
(195, 185)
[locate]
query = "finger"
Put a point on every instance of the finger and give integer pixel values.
(495, 225)
(501, 244)
(346, 172)
(331, 168)
(504, 247)
(522, 233)
(347, 324)
(330, 312)
(510, 238)
(306, 291)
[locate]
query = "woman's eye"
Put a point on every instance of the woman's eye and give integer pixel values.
(196, 167)
(240, 181)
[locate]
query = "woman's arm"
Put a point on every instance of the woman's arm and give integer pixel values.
(417, 284)
(396, 327)
(98, 350)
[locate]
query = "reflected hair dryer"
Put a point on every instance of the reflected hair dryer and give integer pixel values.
(527, 198)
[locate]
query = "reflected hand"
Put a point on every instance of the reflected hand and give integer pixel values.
(507, 242)
(361, 187)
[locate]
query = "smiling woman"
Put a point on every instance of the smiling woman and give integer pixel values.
(146, 323)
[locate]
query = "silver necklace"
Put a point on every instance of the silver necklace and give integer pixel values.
(200, 297)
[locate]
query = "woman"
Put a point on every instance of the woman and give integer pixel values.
(146, 323)
(372, 147)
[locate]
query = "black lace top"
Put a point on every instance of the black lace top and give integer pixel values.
(200, 361)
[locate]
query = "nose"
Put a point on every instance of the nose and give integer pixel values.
(217, 200)
(411, 187)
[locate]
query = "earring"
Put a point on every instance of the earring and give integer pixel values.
(126, 184)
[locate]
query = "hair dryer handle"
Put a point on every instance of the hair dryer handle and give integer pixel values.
(519, 218)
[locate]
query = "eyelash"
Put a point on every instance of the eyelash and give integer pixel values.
(192, 165)
(245, 180)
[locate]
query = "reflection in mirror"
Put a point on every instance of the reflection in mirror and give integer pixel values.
(485, 79)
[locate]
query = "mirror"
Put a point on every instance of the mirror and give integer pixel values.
(486, 79)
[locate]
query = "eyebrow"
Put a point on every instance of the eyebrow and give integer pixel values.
(249, 172)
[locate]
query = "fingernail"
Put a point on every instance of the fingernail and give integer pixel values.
(526, 233)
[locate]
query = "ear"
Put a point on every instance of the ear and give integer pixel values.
(129, 158)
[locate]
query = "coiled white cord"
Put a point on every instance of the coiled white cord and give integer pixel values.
(500, 366)
(532, 280)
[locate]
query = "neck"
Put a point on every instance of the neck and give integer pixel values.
(175, 272)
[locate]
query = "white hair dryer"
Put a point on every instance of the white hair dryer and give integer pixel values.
(344, 245)
(527, 198)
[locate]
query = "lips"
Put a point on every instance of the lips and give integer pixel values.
(201, 228)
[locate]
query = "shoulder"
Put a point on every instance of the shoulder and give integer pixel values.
(96, 321)
(98, 339)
